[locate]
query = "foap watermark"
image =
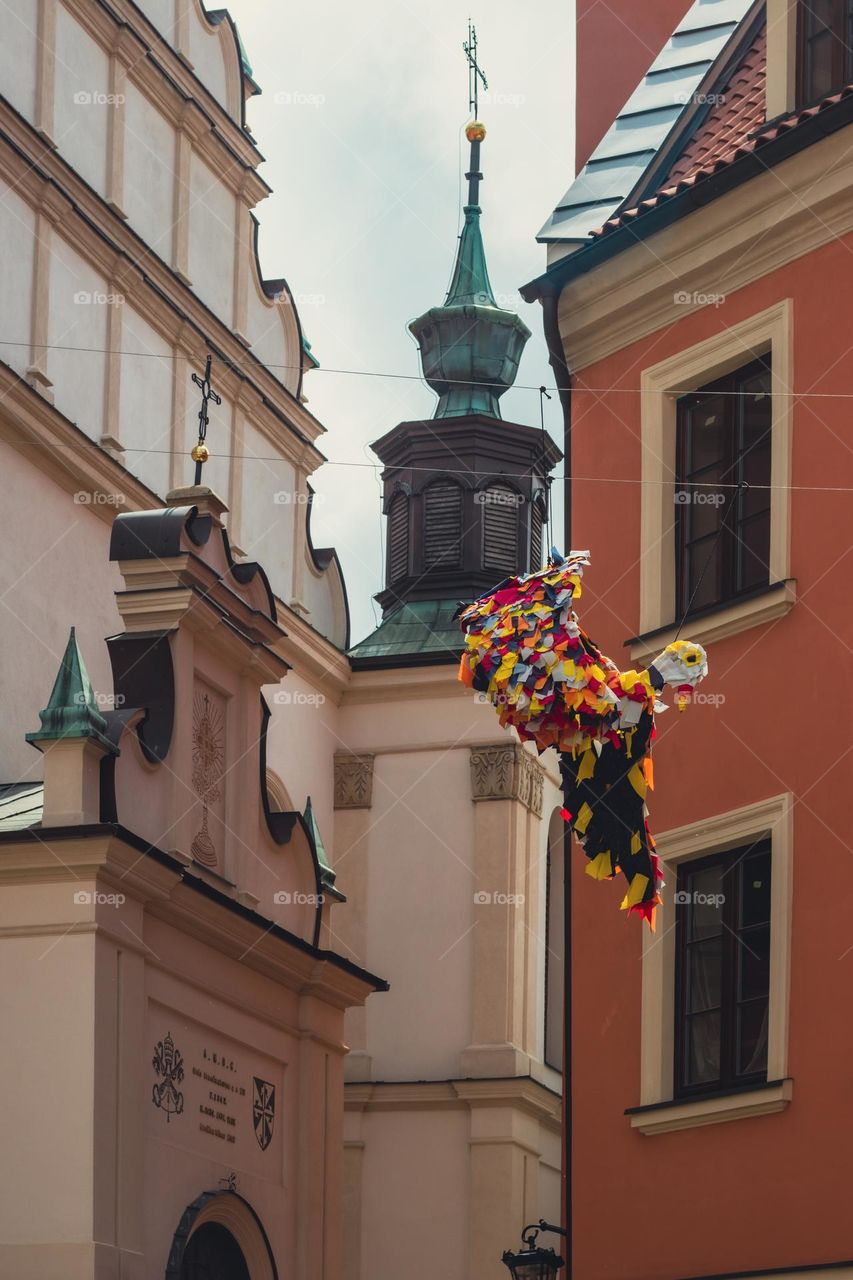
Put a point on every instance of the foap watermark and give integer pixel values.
(492, 99)
(94, 897)
(683, 898)
(482, 898)
(296, 498)
(499, 498)
(298, 98)
(284, 898)
(107, 701)
(702, 99)
(84, 499)
(709, 699)
(88, 298)
(301, 300)
(684, 298)
(298, 698)
(698, 497)
(95, 98)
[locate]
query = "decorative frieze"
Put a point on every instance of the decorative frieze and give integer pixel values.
(507, 772)
(353, 781)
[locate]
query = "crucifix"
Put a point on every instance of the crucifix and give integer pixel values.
(201, 453)
(474, 132)
(475, 71)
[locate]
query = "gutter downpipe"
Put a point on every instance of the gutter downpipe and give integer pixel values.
(562, 376)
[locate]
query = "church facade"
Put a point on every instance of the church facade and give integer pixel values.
(224, 829)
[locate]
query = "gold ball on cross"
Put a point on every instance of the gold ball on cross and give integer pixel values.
(475, 131)
(200, 453)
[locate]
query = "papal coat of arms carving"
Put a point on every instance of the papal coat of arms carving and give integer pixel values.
(169, 1065)
(263, 1111)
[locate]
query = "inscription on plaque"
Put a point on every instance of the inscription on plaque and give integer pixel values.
(217, 1115)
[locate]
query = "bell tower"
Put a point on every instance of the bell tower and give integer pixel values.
(465, 493)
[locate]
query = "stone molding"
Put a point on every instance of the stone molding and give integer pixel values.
(507, 772)
(353, 781)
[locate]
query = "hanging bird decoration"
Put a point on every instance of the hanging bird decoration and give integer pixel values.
(526, 651)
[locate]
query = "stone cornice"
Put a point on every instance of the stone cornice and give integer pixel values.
(716, 250)
(388, 684)
(42, 178)
(311, 655)
(454, 1095)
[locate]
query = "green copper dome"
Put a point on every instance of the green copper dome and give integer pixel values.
(470, 347)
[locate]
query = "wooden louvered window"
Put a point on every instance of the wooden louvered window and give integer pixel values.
(825, 48)
(398, 537)
(537, 520)
(501, 507)
(443, 524)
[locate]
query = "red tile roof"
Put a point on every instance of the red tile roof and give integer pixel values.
(734, 127)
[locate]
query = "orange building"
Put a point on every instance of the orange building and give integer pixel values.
(696, 308)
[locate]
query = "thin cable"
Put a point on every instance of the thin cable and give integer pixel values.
(409, 377)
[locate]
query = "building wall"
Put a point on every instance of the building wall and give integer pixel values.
(452, 1117)
(132, 233)
(617, 42)
(707, 1200)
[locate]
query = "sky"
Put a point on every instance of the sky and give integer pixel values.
(361, 121)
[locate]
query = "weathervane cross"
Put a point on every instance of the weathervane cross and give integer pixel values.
(201, 453)
(475, 71)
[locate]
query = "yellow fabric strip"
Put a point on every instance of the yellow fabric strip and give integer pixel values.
(635, 892)
(600, 868)
(638, 781)
(582, 820)
(587, 768)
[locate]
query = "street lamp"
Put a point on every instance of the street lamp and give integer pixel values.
(533, 1262)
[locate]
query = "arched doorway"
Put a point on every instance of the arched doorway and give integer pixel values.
(212, 1253)
(220, 1237)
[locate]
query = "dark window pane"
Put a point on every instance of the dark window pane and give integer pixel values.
(754, 962)
(705, 562)
(707, 433)
(755, 889)
(705, 896)
(819, 55)
(818, 15)
(704, 510)
(752, 1038)
(754, 552)
(703, 1048)
(704, 975)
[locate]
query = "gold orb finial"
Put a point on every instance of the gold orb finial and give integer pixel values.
(200, 453)
(475, 131)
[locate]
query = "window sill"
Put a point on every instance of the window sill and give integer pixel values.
(668, 1117)
(718, 624)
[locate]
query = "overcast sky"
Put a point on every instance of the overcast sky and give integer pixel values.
(361, 121)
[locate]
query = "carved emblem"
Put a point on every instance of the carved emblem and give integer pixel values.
(208, 760)
(507, 773)
(169, 1065)
(353, 781)
(263, 1111)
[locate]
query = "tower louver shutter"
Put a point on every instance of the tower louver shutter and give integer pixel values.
(398, 538)
(443, 524)
(500, 528)
(536, 522)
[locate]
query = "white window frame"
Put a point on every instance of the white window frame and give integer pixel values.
(662, 385)
(771, 818)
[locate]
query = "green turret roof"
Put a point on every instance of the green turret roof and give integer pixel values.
(72, 711)
(420, 628)
(470, 284)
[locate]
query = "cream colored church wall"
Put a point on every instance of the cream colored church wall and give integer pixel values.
(71, 294)
(54, 546)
